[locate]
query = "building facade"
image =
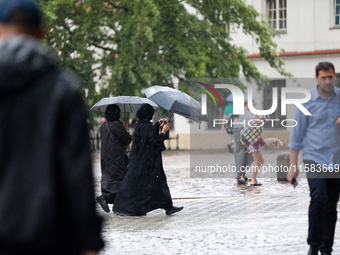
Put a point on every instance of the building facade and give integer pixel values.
(308, 32)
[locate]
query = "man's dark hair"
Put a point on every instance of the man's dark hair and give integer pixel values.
(324, 66)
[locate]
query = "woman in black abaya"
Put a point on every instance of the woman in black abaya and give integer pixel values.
(144, 188)
(114, 162)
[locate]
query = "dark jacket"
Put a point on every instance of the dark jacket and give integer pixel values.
(46, 185)
(114, 161)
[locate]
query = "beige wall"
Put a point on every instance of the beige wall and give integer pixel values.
(215, 140)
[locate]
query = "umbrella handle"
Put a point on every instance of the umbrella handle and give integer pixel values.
(126, 119)
(170, 117)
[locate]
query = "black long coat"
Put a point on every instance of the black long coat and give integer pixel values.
(144, 188)
(114, 162)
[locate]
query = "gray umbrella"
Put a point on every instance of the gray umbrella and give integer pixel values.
(175, 101)
(126, 104)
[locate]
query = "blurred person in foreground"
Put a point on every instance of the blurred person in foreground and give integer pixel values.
(318, 136)
(47, 203)
(113, 159)
(144, 187)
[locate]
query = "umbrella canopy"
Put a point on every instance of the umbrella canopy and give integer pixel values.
(126, 104)
(175, 101)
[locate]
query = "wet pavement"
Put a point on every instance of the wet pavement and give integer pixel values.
(219, 216)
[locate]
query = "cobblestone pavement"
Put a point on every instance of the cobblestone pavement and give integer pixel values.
(219, 217)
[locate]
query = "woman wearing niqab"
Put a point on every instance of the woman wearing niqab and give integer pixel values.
(114, 161)
(144, 187)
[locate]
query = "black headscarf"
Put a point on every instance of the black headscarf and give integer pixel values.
(112, 112)
(145, 112)
(144, 115)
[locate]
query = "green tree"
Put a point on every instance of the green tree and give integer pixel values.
(129, 45)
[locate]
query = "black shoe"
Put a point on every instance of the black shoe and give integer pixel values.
(313, 251)
(173, 210)
(103, 203)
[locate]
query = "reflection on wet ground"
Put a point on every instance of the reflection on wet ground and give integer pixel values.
(219, 216)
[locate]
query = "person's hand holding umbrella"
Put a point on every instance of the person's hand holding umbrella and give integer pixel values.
(162, 122)
(165, 128)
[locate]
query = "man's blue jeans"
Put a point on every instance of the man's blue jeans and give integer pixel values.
(322, 214)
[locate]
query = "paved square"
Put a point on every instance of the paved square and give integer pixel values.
(219, 217)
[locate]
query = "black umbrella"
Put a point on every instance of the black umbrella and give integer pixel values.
(127, 104)
(175, 101)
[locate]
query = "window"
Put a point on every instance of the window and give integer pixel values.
(277, 13)
(268, 102)
(337, 12)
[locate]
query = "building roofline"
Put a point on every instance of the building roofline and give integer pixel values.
(300, 53)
